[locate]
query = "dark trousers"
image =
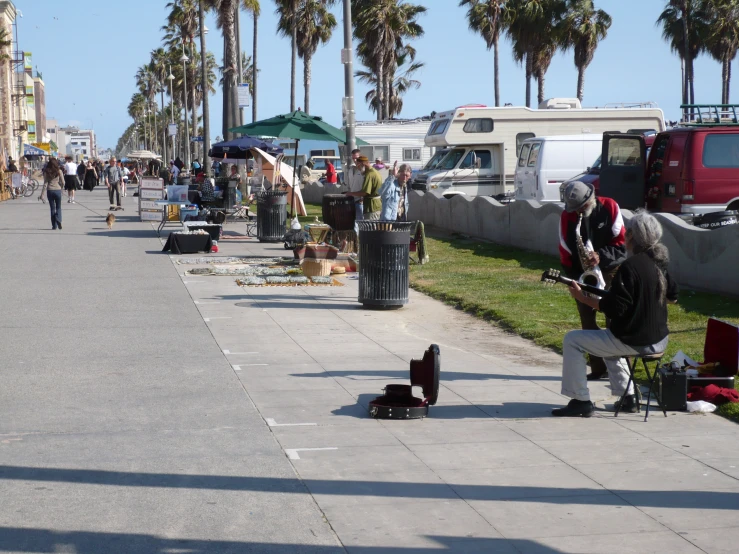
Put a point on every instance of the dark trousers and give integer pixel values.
(115, 190)
(55, 207)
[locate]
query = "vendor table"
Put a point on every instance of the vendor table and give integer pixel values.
(213, 230)
(164, 204)
(183, 243)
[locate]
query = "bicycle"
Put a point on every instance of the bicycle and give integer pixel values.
(27, 188)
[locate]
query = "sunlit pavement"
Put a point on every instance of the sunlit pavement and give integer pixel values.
(145, 410)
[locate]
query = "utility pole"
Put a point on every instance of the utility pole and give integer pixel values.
(346, 58)
(240, 61)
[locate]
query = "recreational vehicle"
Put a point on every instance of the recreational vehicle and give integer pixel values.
(401, 141)
(485, 142)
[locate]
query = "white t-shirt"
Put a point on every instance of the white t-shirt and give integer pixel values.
(70, 168)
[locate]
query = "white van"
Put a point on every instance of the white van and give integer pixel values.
(545, 162)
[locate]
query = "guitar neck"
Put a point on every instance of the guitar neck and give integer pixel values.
(587, 288)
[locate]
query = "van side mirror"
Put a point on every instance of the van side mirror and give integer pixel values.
(478, 163)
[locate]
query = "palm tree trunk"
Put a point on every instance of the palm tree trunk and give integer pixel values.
(528, 80)
(194, 106)
(580, 82)
(204, 81)
(294, 61)
(230, 103)
(254, 71)
(540, 79)
(306, 81)
(728, 82)
(387, 83)
(380, 90)
(496, 74)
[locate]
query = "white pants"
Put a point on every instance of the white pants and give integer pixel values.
(604, 345)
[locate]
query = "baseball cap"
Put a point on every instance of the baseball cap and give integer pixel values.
(576, 194)
(363, 159)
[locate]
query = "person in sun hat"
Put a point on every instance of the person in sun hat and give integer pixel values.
(603, 227)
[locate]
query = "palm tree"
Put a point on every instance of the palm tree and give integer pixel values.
(582, 28)
(253, 7)
(682, 28)
(287, 10)
(532, 28)
(721, 34)
(315, 25)
(158, 66)
(401, 84)
(147, 83)
(382, 27)
(226, 18)
(487, 18)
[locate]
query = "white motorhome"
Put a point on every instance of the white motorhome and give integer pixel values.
(545, 162)
(396, 140)
(485, 141)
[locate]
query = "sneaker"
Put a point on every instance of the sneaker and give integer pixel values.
(73, 202)
(69, 200)
(629, 405)
(60, 226)
(576, 408)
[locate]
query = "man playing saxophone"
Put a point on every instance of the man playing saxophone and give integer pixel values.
(591, 245)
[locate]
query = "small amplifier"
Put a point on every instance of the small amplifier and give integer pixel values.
(672, 389)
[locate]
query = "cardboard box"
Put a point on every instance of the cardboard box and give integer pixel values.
(151, 215)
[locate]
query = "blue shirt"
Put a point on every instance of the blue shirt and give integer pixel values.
(390, 196)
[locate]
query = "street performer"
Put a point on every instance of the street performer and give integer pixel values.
(591, 239)
(637, 307)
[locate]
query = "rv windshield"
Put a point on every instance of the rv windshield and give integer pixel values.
(451, 160)
(435, 159)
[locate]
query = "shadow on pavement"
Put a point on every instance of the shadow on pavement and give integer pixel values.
(706, 499)
(16, 539)
(445, 375)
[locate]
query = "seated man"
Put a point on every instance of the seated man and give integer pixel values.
(637, 307)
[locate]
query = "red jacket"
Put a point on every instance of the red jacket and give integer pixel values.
(330, 173)
(605, 230)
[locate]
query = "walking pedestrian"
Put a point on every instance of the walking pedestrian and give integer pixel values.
(394, 194)
(91, 176)
(70, 179)
(113, 178)
(174, 172)
(124, 177)
(54, 180)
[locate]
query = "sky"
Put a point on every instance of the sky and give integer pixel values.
(88, 52)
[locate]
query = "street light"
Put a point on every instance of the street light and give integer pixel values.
(184, 59)
(170, 78)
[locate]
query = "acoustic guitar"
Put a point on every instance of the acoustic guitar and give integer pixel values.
(551, 276)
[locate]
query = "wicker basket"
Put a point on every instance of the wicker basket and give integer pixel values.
(316, 268)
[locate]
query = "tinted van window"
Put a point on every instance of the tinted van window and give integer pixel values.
(721, 150)
(438, 127)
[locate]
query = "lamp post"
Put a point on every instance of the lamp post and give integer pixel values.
(170, 78)
(184, 59)
(164, 126)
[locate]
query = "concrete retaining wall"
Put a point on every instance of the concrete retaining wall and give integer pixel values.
(700, 259)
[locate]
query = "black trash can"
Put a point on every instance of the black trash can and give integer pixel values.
(716, 220)
(271, 215)
(383, 263)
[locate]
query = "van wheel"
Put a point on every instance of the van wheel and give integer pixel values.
(733, 206)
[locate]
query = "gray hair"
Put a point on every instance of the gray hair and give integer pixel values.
(404, 167)
(646, 233)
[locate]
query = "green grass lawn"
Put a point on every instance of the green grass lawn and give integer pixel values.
(502, 284)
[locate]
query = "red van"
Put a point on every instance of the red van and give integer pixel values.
(693, 169)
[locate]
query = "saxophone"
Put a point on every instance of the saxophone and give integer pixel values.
(592, 274)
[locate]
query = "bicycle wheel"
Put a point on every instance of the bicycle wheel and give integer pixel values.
(34, 184)
(27, 190)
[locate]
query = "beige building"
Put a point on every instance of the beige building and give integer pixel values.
(8, 142)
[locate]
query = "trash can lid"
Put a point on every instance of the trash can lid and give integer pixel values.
(425, 373)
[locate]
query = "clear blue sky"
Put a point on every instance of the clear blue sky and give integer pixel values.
(88, 52)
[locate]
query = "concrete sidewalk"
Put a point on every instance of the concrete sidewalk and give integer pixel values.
(147, 410)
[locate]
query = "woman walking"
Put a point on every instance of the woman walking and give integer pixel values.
(70, 179)
(53, 184)
(91, 177)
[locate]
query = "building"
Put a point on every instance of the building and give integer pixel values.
(39, 94)
(8, 143)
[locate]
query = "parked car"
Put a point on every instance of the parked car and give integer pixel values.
(691, 169)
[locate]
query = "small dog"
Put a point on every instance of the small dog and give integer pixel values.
(110, 220)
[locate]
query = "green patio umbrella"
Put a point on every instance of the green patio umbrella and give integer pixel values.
(297, 126)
